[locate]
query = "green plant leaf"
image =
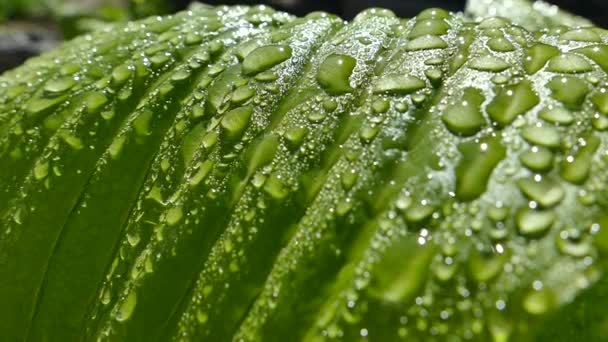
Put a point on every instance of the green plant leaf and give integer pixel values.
(236, 173)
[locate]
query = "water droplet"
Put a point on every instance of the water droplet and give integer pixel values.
(94, 101)
(597, 53)
(116, 147)
(576, 169)
(59, 85)
(265, 57)
(41, 170)
(545, 135)
(127, 307)
(433, 13)
(501, 44)
(537, 159)
(484, 267)
(571, 91)
(557, 115)
(242, 94)
(537, 56)
(581, 35)
(488, 63)
(349, 178)
(476, 165)
(512, 101)
(544, 191)
(72, 140)
(435, 27)
(427, 42)
(498, 213)
(465, 117)
(174, 215)
(334, 74)
(181, 75)
(534, 222)
(236, 120)
(569, 63)
(539, 302)
(600, 100)
(419, 212)
(380, 105)
(276, 188)
(329, 105)
(37, 105)
(203, 170)
(295, 135)
(120, 75)
(398, 85)
(494, 23)
(141, 124)
(578, 247)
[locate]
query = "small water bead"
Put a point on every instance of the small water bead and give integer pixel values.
(569, 63)
(426, 42)
(488, 63)
(556, 115)
(537, 56)
(571, 91)
(501, 44)
(575, 169)
(534, 222)
(329, 105)
(398, 85)
(597, 53)
(435, 27)
(476, 165)
(334, 74)
(465, 117)
(537, 159)
(209, 140)
(349, 178)
(542, 135)
(265, 57)
(543, 190)
(512, 101)
(581, 35)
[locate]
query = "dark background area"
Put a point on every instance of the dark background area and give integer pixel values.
(27, 27)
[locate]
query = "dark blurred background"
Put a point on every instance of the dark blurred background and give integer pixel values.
(28, 27)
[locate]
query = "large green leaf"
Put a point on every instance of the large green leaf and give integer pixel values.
(236, 173)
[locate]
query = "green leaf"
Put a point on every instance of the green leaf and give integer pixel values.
(236, 173)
